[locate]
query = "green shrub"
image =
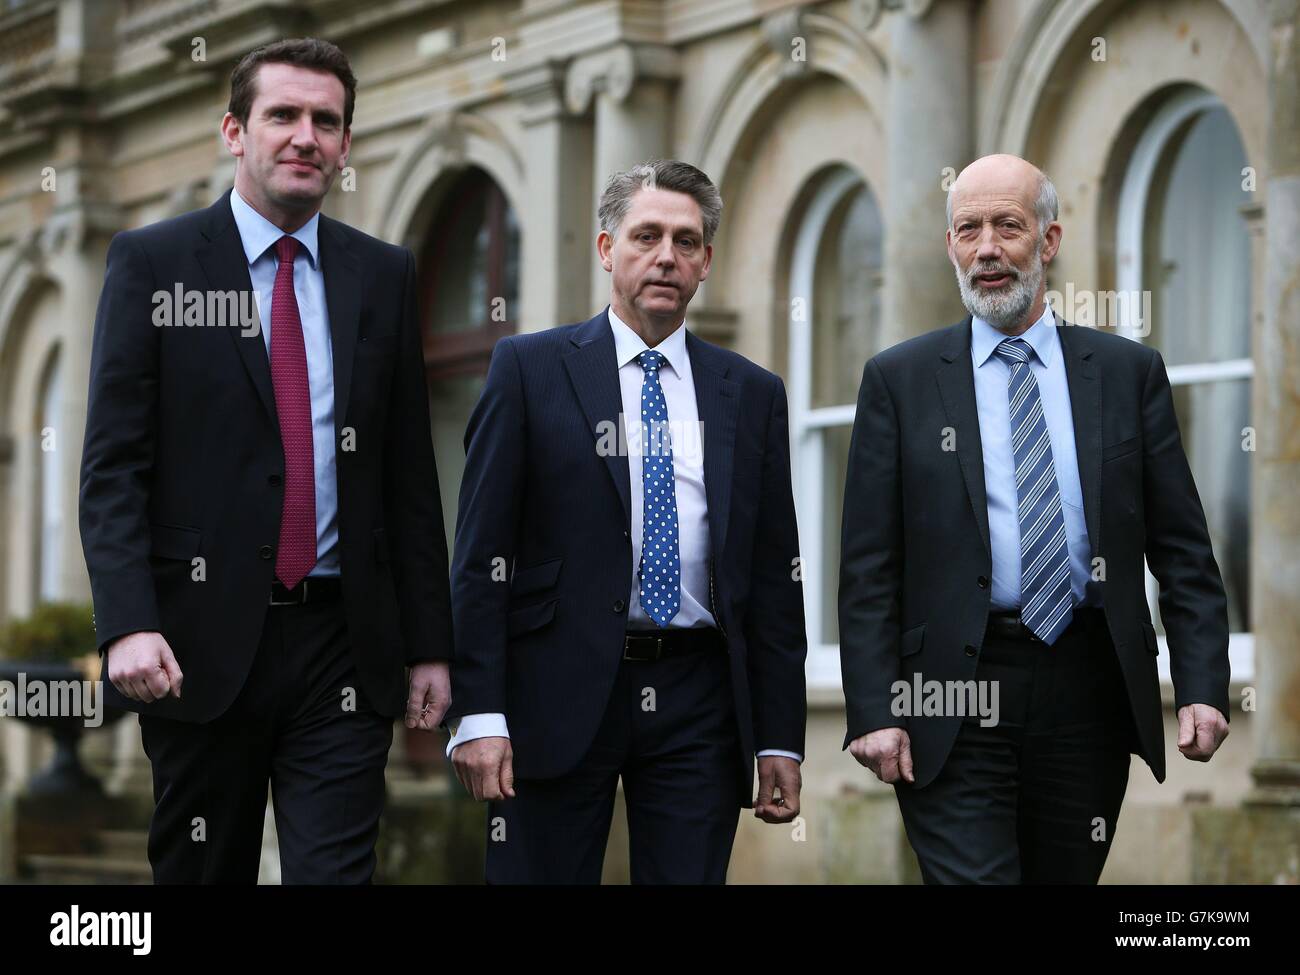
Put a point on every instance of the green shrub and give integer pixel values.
(54, 633)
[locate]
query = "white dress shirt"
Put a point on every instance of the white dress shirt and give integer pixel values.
(693, 542)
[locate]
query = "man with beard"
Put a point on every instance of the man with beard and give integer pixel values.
(1007, 476)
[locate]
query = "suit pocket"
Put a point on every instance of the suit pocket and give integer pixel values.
(174, 542)
(536, 578)
(1149, 635)
(529, 618)
(912, 640)
(1122, 449)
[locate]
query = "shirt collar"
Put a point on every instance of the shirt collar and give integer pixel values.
(1041, 336)
(257, 233)
(628, 345)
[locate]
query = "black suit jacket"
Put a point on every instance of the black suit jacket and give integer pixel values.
(916, 562)
(544, 647)
(182, 459)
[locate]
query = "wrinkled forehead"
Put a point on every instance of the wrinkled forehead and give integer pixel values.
(994, 191)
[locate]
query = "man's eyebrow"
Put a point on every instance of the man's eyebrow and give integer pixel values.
(656, 225)
(324, 114)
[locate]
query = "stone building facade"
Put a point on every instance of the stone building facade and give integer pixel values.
(484, 130)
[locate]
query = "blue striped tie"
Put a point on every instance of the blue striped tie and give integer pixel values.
(1046, 602)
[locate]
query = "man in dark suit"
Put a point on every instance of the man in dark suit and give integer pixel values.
(1006, 477)
(259, 505)
(629, 606)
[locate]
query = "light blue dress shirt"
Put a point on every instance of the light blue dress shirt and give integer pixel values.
(258, 236)
(992, 374)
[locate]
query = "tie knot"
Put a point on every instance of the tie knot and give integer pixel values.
(651, 360)
(1014, 351)
(286, 249)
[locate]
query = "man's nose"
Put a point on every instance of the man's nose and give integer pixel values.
(988, 249)
(665, 256)
(304, 133)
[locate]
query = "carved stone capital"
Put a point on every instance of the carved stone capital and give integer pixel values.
(614, 71)
(866, 14)
(782, 31)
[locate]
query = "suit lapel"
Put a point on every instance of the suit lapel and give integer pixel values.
(956, 378)
(717, 400)
(221, 255)
(593, 370)
(343, 298)
(1085, 405)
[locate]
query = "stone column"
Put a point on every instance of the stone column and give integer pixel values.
(930, 125)
(631, 86)
(1275, 576)
(557, 222)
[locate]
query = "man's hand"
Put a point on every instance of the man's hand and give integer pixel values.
(484, 767)
(887, 752)
(1201, 730)
(430, 695)
(776, 772)
(142, 667)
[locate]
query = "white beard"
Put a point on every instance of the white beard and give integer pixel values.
(1006, 307)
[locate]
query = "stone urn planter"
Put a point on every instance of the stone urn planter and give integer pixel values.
(48, 674)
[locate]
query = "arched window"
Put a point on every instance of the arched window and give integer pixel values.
(469, 275)
(1183, 239)
(48, 557)
(836, 286)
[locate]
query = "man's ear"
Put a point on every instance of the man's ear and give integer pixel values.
(605, 250)
(347, 148)
(1051, 242)
(232, 133)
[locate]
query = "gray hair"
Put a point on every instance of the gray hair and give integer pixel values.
(659, 174)
(1047, 206)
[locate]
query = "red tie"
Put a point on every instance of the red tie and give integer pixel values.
(297, 552)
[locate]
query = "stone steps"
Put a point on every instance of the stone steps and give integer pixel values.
(119, 857)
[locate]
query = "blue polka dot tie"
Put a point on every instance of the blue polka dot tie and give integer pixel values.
(660, 569)
(1046, 601)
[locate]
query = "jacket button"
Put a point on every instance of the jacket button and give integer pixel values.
(619, 605)
(982, 582)
(970, 651)
(273, 479)
(627, 534)
(264, 552)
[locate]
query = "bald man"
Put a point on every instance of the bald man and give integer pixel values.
(1007, 476)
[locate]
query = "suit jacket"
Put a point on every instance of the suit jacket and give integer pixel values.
(916, 561)
(544, 647)
(183, 459)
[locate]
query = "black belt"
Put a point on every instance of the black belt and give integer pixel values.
(653, 644)
(1008, 626)
(313, 589)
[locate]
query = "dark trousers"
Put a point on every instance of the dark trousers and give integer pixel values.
(302, 725)
(669, 731)
(1035, 798)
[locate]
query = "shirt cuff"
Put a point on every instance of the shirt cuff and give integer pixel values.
(776, 751)
(473, 726)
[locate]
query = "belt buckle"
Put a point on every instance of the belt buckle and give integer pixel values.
(291, 602)
(629, 641)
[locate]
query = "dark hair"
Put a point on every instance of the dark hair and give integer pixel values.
(662, 174)
(304, 52)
